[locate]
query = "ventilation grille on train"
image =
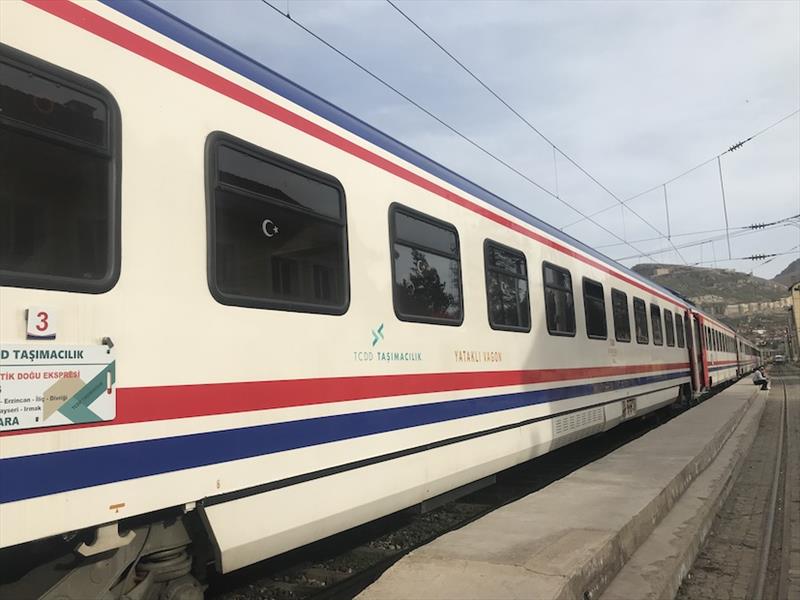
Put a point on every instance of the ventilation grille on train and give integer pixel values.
(573, 426)
(577, 420)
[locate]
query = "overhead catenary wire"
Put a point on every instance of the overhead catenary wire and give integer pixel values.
(737, 234)
(447, 125)
(760, 225)
(527, 122)
(700, 165)
(772, 255)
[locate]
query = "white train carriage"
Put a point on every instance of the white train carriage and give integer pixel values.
(720, 361)
(750, 357)
(227, 303)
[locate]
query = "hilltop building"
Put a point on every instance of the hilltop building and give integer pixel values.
(793, 333)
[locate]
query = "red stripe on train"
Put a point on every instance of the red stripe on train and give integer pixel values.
(143, 404)
(86, 19)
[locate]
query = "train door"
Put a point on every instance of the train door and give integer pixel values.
(691, 345)
(701, 351)
(737, 345)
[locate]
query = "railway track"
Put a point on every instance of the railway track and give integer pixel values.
(747, 552)
(772, 575)
(341, 566)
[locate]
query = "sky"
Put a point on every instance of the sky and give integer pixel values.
(635, 93)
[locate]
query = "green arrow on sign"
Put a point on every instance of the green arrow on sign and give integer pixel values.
(76, 409)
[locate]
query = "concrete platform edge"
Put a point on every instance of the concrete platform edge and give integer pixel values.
(592, 562)
(596, 575)
(659, 565)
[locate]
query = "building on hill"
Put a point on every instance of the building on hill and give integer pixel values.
(793, 331)
(745, 308)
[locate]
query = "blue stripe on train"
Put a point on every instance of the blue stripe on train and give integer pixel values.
(42, 474)
(187, 35)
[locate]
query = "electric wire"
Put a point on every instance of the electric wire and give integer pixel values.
(703, 231)
(751, 257)
(718, 238)
(691, 170)
(528, 123)
(448, 126)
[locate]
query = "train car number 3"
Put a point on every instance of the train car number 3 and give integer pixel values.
(41, 324)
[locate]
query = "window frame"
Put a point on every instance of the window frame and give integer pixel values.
(395, 207)
(627, 316)
(669, 327)
(112, 152)
(680, 338)
(487, 244)
(660, 340)
(217, 138)
(546, 265)
(645, 340)
(584, 281)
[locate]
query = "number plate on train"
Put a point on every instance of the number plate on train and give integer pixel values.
(628, 408)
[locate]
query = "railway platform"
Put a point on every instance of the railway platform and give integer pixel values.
(573, 538)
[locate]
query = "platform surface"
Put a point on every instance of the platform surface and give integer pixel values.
(570, 539)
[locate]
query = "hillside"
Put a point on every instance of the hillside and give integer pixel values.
(713, 286)
(789, 275)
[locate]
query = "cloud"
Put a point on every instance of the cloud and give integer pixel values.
(635, 92)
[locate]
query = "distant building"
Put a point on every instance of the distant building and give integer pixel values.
(793, 333)
(748, 308)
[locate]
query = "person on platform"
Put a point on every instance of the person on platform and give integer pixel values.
(760, 379)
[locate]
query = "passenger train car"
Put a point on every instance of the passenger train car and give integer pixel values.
(235, 319)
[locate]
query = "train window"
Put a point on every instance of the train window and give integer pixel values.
(60, 174)
(507, 288)
(622, 320)
(669, 328)
(558, 302)
(426, 268)
(640, 321)
(679, 332)
(594, 306)
(655, 319)
(277, 231)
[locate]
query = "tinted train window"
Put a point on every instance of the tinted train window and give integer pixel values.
(558, 301)
(59, 178)
(679, 332)
(507, 288)
(426, 267)
(622, 320)
(669, 328)
(277, 231)
(594, 305)
(655, 320)
(640, 321)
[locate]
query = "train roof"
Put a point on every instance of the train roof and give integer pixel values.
(173, 27)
